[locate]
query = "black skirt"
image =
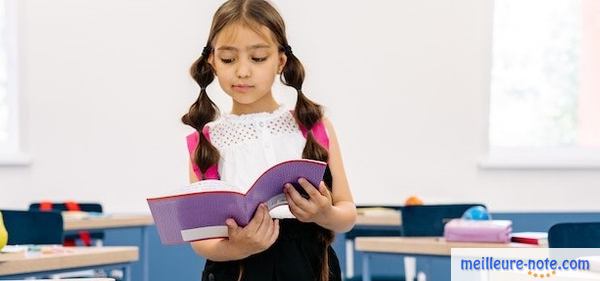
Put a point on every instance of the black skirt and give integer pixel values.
(296, 255)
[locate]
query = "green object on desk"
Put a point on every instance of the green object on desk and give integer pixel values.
(3, 233)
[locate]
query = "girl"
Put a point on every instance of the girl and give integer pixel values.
(246, 49)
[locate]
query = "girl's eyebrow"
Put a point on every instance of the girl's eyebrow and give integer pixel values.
(253, 47)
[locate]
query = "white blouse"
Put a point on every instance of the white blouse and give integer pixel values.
(249, 144)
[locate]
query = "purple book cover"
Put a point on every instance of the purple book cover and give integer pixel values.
(201, 215)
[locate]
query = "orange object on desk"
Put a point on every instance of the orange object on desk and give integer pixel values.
(413, 201)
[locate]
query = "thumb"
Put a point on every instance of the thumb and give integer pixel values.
(231, 225)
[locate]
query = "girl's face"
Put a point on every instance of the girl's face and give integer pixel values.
(246, 63)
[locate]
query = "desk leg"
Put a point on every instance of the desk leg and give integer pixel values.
(366, 272)
(349, 258)
(410, 268)
(144, 253)
(127, 273)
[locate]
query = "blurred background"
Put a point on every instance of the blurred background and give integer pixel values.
(469, 100)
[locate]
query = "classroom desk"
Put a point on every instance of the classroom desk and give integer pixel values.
(370, 219)
(72, 224)
(429, 246)
(384, 217)
(71, 259)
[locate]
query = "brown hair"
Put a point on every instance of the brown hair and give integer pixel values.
(255, 14)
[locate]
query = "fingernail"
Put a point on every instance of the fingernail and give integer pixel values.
(300, 180)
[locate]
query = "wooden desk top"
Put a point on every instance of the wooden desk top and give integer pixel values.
(71, 257)
(378, 216)
(368, 218)
(435, 246)
(106, 221)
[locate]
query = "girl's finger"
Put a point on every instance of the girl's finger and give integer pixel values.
(295, 196)
(255, 222)
(232, 227)
(296, 211)
(264, 226)
(275, 232)
(269, 227)
(309, 188)
(324, 190)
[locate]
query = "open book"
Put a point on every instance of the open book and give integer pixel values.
(200, 210)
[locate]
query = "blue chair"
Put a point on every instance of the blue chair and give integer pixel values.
(574, 235)
(429, 220)
(86, 207)
(32, 227)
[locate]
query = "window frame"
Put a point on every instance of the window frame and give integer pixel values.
(531, 158)
(14, 154)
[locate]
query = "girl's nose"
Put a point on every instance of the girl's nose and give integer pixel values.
(243, 70)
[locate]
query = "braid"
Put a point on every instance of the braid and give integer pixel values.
(202, 111)
(308, 113)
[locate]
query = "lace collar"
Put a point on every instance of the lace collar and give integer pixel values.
(249, 117)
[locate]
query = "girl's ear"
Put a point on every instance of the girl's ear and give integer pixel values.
(282, 61)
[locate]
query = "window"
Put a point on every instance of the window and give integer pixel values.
(4, 103)
(545, 84)
(9, 135)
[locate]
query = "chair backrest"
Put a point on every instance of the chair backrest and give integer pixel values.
(33, 227)
(62, 206)
(429, 220)
(574, 235)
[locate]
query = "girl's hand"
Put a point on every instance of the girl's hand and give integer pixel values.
(313, 209)
(260, 233)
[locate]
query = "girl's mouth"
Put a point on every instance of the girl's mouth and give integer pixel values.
(242, 88)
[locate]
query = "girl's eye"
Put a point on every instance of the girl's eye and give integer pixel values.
(259, 59)
(227, 61)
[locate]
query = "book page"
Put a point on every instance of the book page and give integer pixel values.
(276, 201)
(212, 185)
(203, 186)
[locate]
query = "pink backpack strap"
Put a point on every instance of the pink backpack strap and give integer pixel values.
(192, 143)
(319, 132)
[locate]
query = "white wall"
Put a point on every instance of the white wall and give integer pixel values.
(104, 83)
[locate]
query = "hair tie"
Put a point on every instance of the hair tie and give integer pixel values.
(287, 49)
(206, 51)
